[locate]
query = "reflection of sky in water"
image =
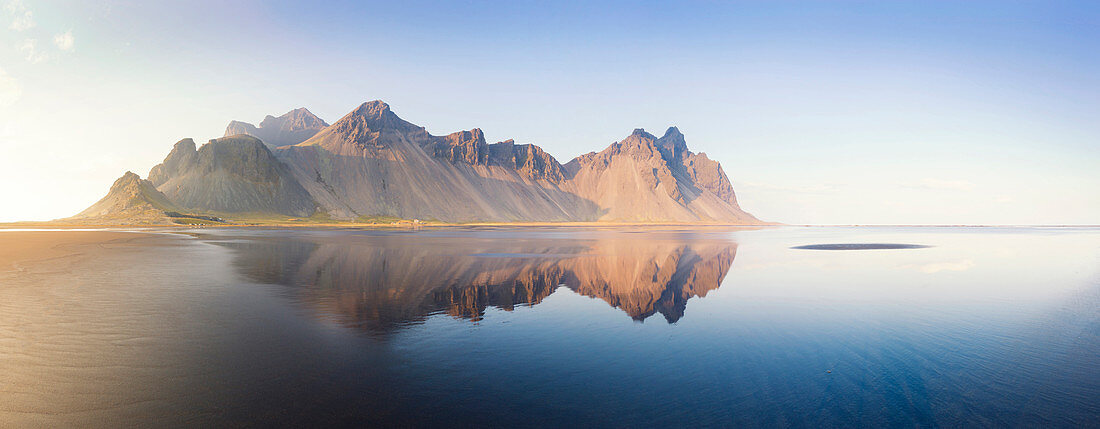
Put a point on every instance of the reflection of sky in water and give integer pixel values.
(991, 326)
(991, 265)
(987, 327)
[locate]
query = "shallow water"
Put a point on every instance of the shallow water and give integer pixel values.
(559, 326)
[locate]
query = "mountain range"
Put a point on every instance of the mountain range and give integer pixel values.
(372, 165)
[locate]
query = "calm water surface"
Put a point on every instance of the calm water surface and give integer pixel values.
(561, 327)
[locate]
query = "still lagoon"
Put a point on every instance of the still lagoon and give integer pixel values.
(555, 326)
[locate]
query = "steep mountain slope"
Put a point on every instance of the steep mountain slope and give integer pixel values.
(293, 127)
(235, 174)
(646, 179)
(131, 200)
(373, 163)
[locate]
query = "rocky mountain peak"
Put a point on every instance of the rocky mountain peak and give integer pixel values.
(294, 120)
(463, 146)
(532, 162)
(639, 144)
(291, 128)
(182, 155)
(374, 109)
(129, 178)
(475, 135)
(243, 139)
(641, 132)
(672, 145)
(239, 127)
(187, 144)
(371, 117)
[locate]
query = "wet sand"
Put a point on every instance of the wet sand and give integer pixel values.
(18, 248)
(86, 335)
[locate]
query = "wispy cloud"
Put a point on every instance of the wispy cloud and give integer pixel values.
(10, 91)
(22, 18)
(64, 41)
(29, 48)
(942, 184)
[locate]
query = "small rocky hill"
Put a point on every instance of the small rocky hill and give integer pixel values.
(130, 200)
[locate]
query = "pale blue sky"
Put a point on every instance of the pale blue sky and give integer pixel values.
(820, 112)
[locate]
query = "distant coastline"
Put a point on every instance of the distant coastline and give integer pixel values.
(61, 224)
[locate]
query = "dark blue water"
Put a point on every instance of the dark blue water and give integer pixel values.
(626, 328)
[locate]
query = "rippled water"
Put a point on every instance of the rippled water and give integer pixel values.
(560, 327)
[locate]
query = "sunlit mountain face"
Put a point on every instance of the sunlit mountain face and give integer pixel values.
(381, 282)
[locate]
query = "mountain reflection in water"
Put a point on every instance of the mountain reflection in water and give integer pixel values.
(382, 281)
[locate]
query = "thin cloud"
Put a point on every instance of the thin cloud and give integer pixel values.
(942, 185)
(64, 41)
(10, 91)
(22, 17)
(29, 48)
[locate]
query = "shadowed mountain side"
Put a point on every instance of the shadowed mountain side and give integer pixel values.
(291, 128)
(235, 174)
(381, 283)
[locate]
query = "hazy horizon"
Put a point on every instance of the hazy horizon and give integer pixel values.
(839, 113)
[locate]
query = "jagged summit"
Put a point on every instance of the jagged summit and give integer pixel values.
(291, 128)
(462, 146)
(294, 120)
(643, 178)
(672, 145)
(183, 153)
(373, 108)
(376, 115)
(363, 129)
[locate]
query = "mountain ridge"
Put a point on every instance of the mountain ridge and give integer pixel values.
(372, 164)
